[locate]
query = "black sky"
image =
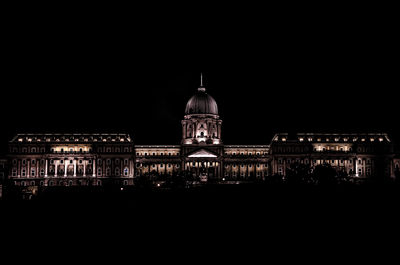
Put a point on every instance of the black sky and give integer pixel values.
(268, 71)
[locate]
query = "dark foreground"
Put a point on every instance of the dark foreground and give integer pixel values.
(247, 221)
(253, 199)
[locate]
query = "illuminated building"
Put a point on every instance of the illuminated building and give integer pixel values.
(98, 159)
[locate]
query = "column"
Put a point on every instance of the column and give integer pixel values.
(84, 168)
(74, 168)
(46, 169)
(28, 168)
(65, 168)
(94, 167)
(56, 168)
(184, 130)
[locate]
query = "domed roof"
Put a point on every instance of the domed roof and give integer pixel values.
(201, 103)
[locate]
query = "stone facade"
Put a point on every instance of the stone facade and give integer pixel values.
(97, 159)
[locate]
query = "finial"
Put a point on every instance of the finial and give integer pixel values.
(201, 88)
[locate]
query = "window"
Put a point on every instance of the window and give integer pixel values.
(108, 162)
(14, 172)
(117, 172)
(126, 172)
(42, 172)
(33, 172)
(125, 182)
(71, 162)
(80, 161)
(23, 172)
(99, 171)
(24, 162)
(14, 161)
(126, 161)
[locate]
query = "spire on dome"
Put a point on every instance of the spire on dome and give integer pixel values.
(201, 88)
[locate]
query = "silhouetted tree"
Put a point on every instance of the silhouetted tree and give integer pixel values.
(274, 179)
(325, 175)
(298, 173)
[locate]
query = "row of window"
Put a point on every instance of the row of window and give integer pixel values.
(61, 183)
(161, 165)
(306, 161)
(99, 172)
(157, 154)
(70, 150)
(243, 165)
(242, 153)
(80, 161)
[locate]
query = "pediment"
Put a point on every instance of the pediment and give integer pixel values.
(202, 153)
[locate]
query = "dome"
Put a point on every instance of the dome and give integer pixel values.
(201, 103)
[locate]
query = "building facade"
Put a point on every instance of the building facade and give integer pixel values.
(98, 159)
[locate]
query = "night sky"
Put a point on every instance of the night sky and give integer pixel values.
(268, 74)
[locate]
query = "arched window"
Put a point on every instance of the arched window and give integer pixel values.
(126, 172)
(202, 134)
